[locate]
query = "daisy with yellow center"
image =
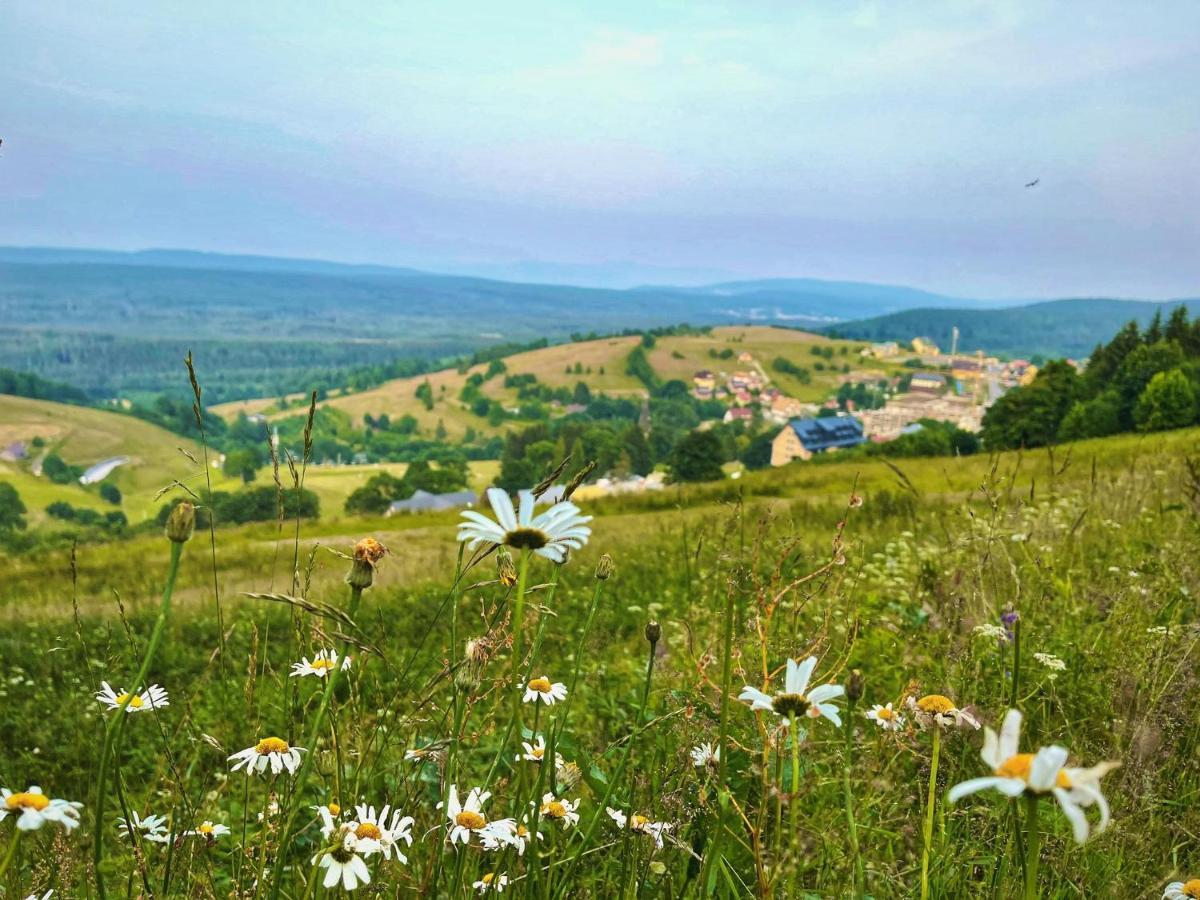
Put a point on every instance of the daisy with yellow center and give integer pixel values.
(501, 833)
(466, 817)
(541, 689)
(885, 717)
(208, 830)
(1180, 890)
(796, 701)
(705, 755)
(344, 864)
(388, 832)
(154, 697)
(1033, 774)
(148, 828)
(271, 752)
(536, 751)
(640, 825)
(550, 534)
(322, 663)
(939, 711)
(560, 810)
(34, 809)
(491, 881)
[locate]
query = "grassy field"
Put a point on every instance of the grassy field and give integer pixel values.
(603, 363)
(1092, 546)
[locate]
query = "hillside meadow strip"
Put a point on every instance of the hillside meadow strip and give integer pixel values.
(939, 678)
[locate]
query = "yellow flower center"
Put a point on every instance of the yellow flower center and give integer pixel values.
(27, 801)
(637, 823)
(935, 703)
(206, 828)
(334, 809)
(538, 752)
(271, 745)
(1021, 765)
(322, 664)
(522, 831)
(487, 877)
(134, 703)
(555, 809)
(541, 685)
(1192, 888)
(886, 714)
(471, 820)
(368, 830)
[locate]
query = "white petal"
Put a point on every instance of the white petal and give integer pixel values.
(1043, 774)
(798, 675)
(990, 754)
(973, 786)
(1079, 824)
(1010, 736)
(525, 513)
(823, 692)
(503, 508)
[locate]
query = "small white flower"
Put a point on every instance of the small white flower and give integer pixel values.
(467, 817)
(885, 717)
(154, 697)
(344, 864)
(1044, 772)
(507, 832)
(797, 700)
(541, 689)
(271, 752)
(320, 666)
(995, 632)
(209, 830)
(490, 881)
(150, 828)
(536, 752)
(562, 811)
(550, 534)
(388, 832)
(1051, 662)
(641, 825)
(1178, 890)
(705, 755)
(34, 809)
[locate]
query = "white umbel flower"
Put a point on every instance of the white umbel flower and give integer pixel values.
(797, 700)
(34, 809)
(148, 828)
(490, 881)
(542, 689)
(641, 825)
(550, 534)
(705, 755)
(271, 752)
(343, 864)
(885, 717)
(1044, 772)
(154, 697)
(466, 817)
(1180, 890)
(322, 663)
(389, 832)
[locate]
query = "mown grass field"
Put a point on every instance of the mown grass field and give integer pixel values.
(1094, 546)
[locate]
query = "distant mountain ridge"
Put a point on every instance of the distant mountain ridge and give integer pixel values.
(1053, 328)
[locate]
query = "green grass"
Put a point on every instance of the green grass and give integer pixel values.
(1094, 546)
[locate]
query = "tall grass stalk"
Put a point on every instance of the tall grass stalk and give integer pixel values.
(848, 799)
(930, 803)
(1032, 846)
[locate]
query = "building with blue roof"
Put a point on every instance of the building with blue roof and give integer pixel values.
(801, 438)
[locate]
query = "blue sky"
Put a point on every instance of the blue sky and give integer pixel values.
(883, 141)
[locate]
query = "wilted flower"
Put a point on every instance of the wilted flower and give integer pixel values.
(490, 881)
(797, 701)
(271, 751)
(705, 755)
(936, 710)
(550, 534)
(506, 571)
(640, 824)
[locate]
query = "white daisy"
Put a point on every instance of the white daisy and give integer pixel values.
(705, 755)
(332, 808)
(490, 881)
(1179, 890)
(885, 717)
(1044, 772)
(466, 817)
(796, 700)
(507, 832)
(542, 689)
(536, 752)
(154, 697)
(389, 832)
(150, 828)
(560, 810)
(34, 809)
(549, 534)
(344, 864)
(271, 751)
(936, 710)
(208, 830)
(641, 825)
(320, 666)
(45, 896)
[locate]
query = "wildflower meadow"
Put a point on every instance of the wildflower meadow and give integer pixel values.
(886, 684)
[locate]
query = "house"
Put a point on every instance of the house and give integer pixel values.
(745, 357)
(801, 438)
(742, 398)
(927, 383)
(423, 501)
(884, 350)
(785, 408)
(900, 412)
(14, 452)
(924, 346)
(738, 414)
(966, 369)
(704, 381)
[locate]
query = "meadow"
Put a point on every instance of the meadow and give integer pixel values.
(1059, 583)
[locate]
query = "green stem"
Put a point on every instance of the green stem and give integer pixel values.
(587, 627)
(714, 850)
(930, 802)
(11, 854)
(1032, 846)
(116, 724)
(518, 617)
(852, 826)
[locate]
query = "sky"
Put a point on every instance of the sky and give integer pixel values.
(617, 142)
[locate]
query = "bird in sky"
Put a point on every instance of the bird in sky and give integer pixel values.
(1033, 183)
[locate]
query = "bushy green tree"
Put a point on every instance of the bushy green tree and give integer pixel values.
(697, 457)
(1169, 401)
(12, 510)
(1030, 416)
(111, 493)
(1093, 418)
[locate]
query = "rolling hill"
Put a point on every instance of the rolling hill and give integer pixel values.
(1052, 329)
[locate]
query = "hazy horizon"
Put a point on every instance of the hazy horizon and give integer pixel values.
(858, 142)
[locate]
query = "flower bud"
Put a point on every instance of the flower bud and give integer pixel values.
(854, 686)
(367, 554)
(605, 568)
(653, 632)
(506, 572)
(181, 523)
(569, 776)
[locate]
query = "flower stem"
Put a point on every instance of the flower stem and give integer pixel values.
(1032, 846)
(930, 802)
(116, 724)
(713, 852)
(848, 794)
(11, 854)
